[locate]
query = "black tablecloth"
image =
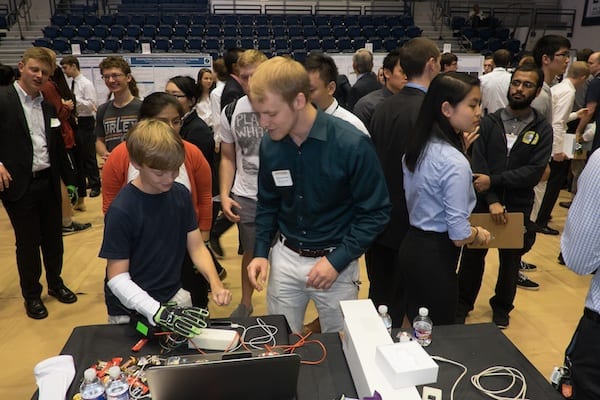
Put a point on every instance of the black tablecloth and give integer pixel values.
(478, 346)
(88, 344)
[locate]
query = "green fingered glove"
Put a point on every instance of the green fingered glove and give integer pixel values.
(185, 321)
(72, 192)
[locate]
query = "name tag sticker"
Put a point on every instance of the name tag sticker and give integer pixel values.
(282, 178)
(510, 140)
(54, 122)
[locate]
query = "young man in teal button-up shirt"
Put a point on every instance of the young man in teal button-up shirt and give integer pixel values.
(321, 187)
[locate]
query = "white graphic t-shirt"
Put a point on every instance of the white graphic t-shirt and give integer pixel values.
(245, 132)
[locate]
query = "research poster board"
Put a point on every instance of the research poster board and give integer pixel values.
(469, 63)
(151, 71)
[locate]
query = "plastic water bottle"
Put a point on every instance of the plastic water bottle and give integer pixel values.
(387, 320)
(422, 327)
(91, 388)
(117, 387)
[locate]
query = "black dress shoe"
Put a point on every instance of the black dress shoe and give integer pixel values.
(565, 204)
(63, 294)
(546, 230)
(36, 309)
(95, 192)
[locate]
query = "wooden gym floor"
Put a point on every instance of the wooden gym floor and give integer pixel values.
(541, 324)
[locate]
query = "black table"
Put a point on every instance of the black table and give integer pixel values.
(478, 346)
(326, 381)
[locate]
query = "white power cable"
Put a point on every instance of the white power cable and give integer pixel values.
(258, 342)
(438, 358)
(514, 373)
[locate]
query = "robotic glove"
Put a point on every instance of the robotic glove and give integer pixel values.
(185, 321)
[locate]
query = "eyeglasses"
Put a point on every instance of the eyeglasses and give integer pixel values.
(564, 54)
(177, 95)
(112, 76)
(175, 123)
(526, 84)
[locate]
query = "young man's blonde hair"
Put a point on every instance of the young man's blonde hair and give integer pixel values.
(251, 57)
(41, 54)
(155, 144)
(282, 76)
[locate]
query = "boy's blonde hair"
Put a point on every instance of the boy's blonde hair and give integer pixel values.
(282, 76)
(41, 54)
(155, 144)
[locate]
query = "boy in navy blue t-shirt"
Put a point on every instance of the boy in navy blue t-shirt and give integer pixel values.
(148, 227)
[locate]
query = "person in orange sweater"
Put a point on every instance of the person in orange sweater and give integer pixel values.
(195, 174)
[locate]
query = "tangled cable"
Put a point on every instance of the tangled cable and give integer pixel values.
(513, 373)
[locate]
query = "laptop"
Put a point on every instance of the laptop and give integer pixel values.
(251, 378)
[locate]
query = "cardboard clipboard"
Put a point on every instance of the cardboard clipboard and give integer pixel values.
(508, 236)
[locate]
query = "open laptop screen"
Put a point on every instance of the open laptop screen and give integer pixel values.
(256, 378)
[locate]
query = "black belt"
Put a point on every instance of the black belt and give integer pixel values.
(41, 174)
(305, 252)
(591, 314)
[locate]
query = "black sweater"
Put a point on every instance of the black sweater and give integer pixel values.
(513, 175)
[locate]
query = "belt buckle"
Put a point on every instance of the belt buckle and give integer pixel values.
(306, 253)
(313, 253)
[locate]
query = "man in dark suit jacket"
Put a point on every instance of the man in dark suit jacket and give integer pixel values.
(392, 121)
(32, 161)
(366, 80)
(233, 89)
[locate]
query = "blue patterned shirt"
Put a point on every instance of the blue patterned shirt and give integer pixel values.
(580, 242)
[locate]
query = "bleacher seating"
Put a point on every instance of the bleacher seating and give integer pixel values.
(215, 33)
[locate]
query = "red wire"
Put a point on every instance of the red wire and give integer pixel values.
(291, 348)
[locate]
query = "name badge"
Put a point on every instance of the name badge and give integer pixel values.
(282, 178)
(54, 122)
(510, 140)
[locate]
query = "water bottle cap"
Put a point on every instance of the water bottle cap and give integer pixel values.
(383, 309)
(89, 374)
(423, 311)
(114, 371)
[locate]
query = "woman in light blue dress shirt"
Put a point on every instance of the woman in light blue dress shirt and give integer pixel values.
(439, 196)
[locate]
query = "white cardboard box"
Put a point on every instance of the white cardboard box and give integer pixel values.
(363, 332)
(406, 364)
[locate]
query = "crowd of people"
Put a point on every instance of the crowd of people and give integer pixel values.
(315, 173)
